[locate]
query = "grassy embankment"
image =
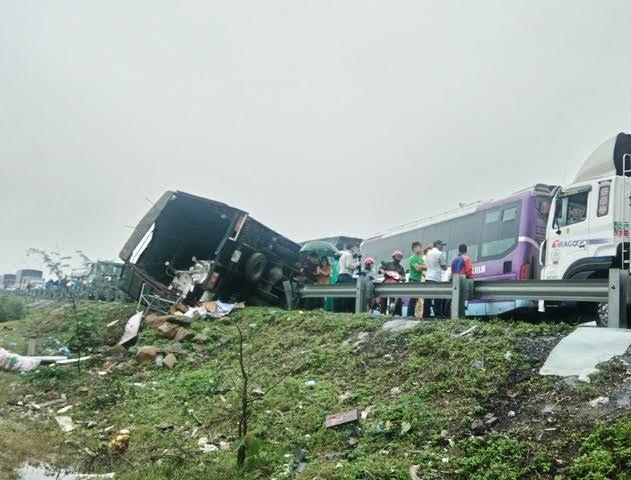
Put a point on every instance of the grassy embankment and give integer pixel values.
(466, 407)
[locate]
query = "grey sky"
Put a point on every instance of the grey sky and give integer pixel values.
(320, 118)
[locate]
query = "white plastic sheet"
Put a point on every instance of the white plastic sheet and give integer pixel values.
(12, 362)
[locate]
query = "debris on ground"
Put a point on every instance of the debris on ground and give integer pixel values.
(169, 361)
(131, 329)
(599, 401)
(119, 443)
(467, 331)
(341, 418)
(12, 362)
(400, 325)
(65, 423)
(583, 349)
(147, 353)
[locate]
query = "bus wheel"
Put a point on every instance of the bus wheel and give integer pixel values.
(254, 267)
(602, 314)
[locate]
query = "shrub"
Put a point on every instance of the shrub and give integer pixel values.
(11, 308)
(605, 454)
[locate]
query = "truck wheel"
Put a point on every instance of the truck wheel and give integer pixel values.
(254, 267)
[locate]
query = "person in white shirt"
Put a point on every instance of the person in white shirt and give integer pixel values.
(348, 263)
(436, 267)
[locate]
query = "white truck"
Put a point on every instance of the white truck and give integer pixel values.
(588, 226)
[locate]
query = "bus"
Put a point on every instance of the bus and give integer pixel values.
(503, 237)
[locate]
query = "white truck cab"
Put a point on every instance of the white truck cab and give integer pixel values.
(588, 227)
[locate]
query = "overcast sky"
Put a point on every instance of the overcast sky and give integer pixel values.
(319, 118)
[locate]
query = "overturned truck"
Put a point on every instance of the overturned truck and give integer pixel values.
(188, 248)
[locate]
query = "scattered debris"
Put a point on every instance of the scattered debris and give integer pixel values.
(599, 401)
(341, 418)
(310, 383)
(169, 361)
(479, 364)
(394, 391)
(39, 406)
(467, 331)
(400, 325)
(583, 349)
(72, 361)
(63, 410)
(182, 334)
(147, 353)
(65, 423)
(119, 443)
(508, 356)
(167, 330)
(131, 329)
(12, 362)
(414, 472)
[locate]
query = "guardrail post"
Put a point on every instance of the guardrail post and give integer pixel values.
(618, 289)
(458, 296)
(289, 294)
(360, 295)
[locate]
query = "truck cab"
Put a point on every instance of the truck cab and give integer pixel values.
(588, 227)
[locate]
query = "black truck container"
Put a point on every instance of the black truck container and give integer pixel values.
(241, 259)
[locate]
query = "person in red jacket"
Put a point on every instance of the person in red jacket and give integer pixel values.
(462, 264)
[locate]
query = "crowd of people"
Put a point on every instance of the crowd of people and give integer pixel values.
(427, 264)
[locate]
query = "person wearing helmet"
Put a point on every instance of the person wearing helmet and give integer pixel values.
(417, 270)
(394, 266)
(369, 272)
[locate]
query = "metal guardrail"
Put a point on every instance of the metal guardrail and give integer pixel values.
(613, 290)
(596, 290)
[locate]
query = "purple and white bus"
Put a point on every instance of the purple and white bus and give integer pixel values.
(503, 238)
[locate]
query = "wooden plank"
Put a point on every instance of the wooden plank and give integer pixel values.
(341, 418)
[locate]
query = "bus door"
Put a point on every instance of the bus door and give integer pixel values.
(569, 235)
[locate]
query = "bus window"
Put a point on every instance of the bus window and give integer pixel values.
(492, 216)
(498, 247)
(603, 200)
(509, 214)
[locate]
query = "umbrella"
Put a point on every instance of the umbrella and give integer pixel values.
(320, 248)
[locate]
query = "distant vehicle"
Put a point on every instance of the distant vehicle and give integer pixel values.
(187, 248)
(503, 238)
(25, 277)
(588, 229)
(7, 281)
(338, 241)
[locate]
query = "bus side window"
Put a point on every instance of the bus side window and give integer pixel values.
(509, 214)
(492, 216)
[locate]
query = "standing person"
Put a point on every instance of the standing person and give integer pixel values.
(323, 275)
(462, 264)
(370, 274)
(436, 265)
(308, 277)
(349, 261)
(323, 271)
(417, 269)
(395, 267)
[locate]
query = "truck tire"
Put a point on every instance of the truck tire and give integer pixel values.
(255, 267)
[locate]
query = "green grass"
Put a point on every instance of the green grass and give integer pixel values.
(11, 308)
(442, 390)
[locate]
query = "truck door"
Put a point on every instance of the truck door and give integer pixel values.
(568, 232)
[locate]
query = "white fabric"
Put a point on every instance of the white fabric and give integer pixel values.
(435, 260)
(347, 264)
(12, 362)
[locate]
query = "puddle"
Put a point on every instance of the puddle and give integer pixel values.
(45, 472)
